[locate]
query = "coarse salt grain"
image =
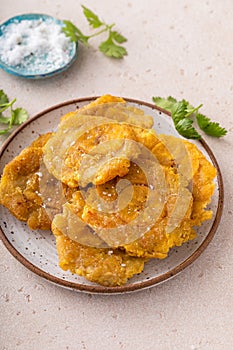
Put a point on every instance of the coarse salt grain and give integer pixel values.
(36, 45)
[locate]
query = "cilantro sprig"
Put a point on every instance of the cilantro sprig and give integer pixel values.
(17, 116)
(111, 47)
(183, 115)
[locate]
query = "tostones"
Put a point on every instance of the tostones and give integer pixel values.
(115, 193)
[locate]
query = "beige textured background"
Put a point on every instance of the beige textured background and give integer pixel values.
(183, 48)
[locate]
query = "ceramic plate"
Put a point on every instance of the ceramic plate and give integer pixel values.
(36, 67)
(36, 249)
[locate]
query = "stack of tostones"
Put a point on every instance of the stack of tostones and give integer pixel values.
(114, 193)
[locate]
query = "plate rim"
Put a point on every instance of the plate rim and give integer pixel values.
(31, 16)
(98, 289)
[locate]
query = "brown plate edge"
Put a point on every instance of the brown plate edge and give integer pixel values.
(128, 287)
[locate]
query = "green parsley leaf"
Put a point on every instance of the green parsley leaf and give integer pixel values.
(169, 103)
(18, 115)
(109, 46)
(4, 120)
(118, 37)
(74, 33)
(5, 106)
(110, 49)
(182, 112)
(182, 123)
(179, 111)
(165, 103)
(92, 18)
(185, 128)
(3, 98)
(209, 127)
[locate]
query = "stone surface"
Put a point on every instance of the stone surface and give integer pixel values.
(181, 48)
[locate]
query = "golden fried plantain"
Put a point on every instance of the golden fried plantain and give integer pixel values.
(107, 267)
(94, 149)
(114, 108)
(19, 186)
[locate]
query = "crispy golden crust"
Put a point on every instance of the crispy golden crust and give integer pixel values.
(19, 186)
(156, 243)
(128, 204)
(203, 189)
(101, 165)
(104, 266)
(95, 154)
(173, 227)
(83, 136)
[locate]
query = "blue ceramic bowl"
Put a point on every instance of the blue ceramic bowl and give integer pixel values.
(21, 70)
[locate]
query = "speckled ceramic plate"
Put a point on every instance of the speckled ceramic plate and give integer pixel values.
(36, 250)
(34, 67)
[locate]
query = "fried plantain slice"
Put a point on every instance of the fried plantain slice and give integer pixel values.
(102, 153)
(156, 243)
(94, 149)
(77, 125)
(19, 186)
(203, 189)
(107, 267)
(114, 108)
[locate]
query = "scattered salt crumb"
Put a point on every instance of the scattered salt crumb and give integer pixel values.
(39, 174)
(99, 207)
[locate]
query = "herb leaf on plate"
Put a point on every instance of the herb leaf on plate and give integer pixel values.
(165, 103)
(183, 115)
(185, 128)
